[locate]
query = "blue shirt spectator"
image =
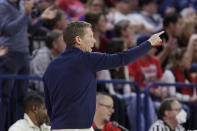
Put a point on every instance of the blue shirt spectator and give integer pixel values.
(14, 24)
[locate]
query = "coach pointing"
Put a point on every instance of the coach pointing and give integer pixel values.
(70, 79)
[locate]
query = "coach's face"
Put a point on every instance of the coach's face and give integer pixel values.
(87, 41)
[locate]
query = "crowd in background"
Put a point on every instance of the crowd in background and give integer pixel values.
(117, 26)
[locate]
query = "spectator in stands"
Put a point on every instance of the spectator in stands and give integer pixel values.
(189, 14)
(14, 34)
(177, 72)
(73, 8)
(116, 45)
(173, 25)
(151, 19)
(104, 110)
(121, 73)
(146, 69)
(97, 7)
(15, 22)
(189, 41)
(190, 56)
(43, 4)
(70, 79)
(35, 117)
(180, 5)
(167, 6)
(125, 31)
(43, 56)
(40, 6)
(172, 6)
(123, 11)
(59, 22)
(98, 22)
(189, 30)
(171, 115)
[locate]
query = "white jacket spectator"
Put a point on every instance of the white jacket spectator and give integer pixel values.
(35, 116)
(26, 124)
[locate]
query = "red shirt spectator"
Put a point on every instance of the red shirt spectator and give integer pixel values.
(102, 45)
(107, 127)
(74, 8)
(182, 77)
(145, 71)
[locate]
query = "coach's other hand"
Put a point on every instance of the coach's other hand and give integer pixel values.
(155, 40)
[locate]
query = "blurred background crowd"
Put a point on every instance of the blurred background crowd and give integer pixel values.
(31, 36)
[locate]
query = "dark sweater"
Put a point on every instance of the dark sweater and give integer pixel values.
(70, 84)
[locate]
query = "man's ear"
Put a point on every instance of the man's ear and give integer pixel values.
(97, 105)
(78, 40)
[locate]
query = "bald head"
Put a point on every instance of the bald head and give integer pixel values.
(101, 97)
(104, 108)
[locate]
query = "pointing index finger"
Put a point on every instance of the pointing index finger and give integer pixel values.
(52, 7)
(160, 33)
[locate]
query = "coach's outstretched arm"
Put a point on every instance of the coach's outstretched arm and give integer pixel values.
(100, 61)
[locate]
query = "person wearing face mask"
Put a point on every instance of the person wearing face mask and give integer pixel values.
(35, 117)
(171, 116)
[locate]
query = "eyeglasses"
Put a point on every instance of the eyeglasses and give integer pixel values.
(107, 106)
